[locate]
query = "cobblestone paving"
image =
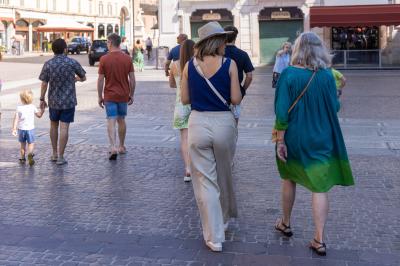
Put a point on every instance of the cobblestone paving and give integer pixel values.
(138, 210)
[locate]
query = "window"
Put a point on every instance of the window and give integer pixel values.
(21, 2)
(109, 9)
(54, 5)
(68, 6)
(4, 2)
(116, 9)
(79, 6)
(38, 4)
(101, 9)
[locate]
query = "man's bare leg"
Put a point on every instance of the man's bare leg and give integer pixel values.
(54, 138)
(64, 128)
(111, 122)
(121, 134)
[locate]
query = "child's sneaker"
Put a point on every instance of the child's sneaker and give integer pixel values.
(22, 160)
(31, 161)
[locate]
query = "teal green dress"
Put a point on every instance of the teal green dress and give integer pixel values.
(317, 157)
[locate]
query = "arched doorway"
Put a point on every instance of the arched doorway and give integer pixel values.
(101, 31)
(116, 29)
(278, 25)
(38, 41)
(125, 26)
(110, 29)
(22, 34)
(201, 17)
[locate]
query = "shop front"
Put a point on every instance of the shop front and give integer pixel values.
(359, 35)
(201, 17)
(278, 25)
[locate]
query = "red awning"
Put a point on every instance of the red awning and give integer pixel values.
(6, 19)
(348, 16)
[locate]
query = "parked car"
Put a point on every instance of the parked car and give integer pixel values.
(78, 44)
(97, 50)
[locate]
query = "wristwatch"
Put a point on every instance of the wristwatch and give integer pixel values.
(42, 99)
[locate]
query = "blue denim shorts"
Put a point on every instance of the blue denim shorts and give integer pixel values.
(25, 136)
(65, 116)
(116, 110)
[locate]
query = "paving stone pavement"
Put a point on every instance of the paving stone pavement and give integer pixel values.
(138, 210)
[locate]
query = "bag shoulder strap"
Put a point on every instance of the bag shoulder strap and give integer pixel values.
(200, 71)
(303, 92)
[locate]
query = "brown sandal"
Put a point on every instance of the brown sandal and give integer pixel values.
(286, 231)
(321, 249)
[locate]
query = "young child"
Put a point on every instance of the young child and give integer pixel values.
(24, 125)
(340, 81)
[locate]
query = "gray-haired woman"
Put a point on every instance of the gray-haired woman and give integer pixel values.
(210, 83)
(310, 148)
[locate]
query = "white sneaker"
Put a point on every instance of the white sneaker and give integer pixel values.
(187, 178)
(216, 247)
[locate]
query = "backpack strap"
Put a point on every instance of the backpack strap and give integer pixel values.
(303, 92)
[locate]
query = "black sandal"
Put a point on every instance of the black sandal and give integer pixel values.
(112, 156)
(320, 250)
(286, 231)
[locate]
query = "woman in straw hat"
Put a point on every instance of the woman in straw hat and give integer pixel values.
(210, 84)
(310, 148)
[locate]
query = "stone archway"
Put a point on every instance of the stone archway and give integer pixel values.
(278, 25)
(125, 26)
(201, 17)
(101, 31)
(38, 40)
(22, 34)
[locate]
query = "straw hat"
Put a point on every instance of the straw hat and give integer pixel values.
(209, 30)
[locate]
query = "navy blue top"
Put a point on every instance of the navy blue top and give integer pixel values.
(242, 61)
(202, 98)
(174, 53)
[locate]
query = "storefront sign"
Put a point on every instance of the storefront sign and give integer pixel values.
(280, 15)
(211, 16)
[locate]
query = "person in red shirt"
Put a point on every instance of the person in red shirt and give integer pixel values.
(116, 86)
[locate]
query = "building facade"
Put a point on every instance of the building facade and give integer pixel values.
(19, 19)
(265, 24)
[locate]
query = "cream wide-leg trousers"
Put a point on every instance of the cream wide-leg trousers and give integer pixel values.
(212, 142)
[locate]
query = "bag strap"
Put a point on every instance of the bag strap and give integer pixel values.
(200, 71)
(303, 92)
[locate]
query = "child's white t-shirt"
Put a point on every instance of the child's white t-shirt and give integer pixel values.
(26, 116)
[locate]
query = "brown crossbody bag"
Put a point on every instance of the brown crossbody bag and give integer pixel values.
(274, 131)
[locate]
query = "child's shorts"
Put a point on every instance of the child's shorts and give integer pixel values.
(26, 136)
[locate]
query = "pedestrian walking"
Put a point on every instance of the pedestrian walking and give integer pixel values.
(116, 93)
(59, 76)
(210, 84)
(309, 144)
(282, 61)
(124, 46)
(174, 53)
(182, 111)
(243, 63)
(149, 48)
(138, 58)
(24, 126)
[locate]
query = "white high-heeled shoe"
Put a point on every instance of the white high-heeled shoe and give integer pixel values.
(216, 247)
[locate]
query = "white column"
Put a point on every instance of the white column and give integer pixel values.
(255, 37)
(237, 24)
(168, 22)
(30, 34)
(306, 21)
(186, 24)
(95, 33)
